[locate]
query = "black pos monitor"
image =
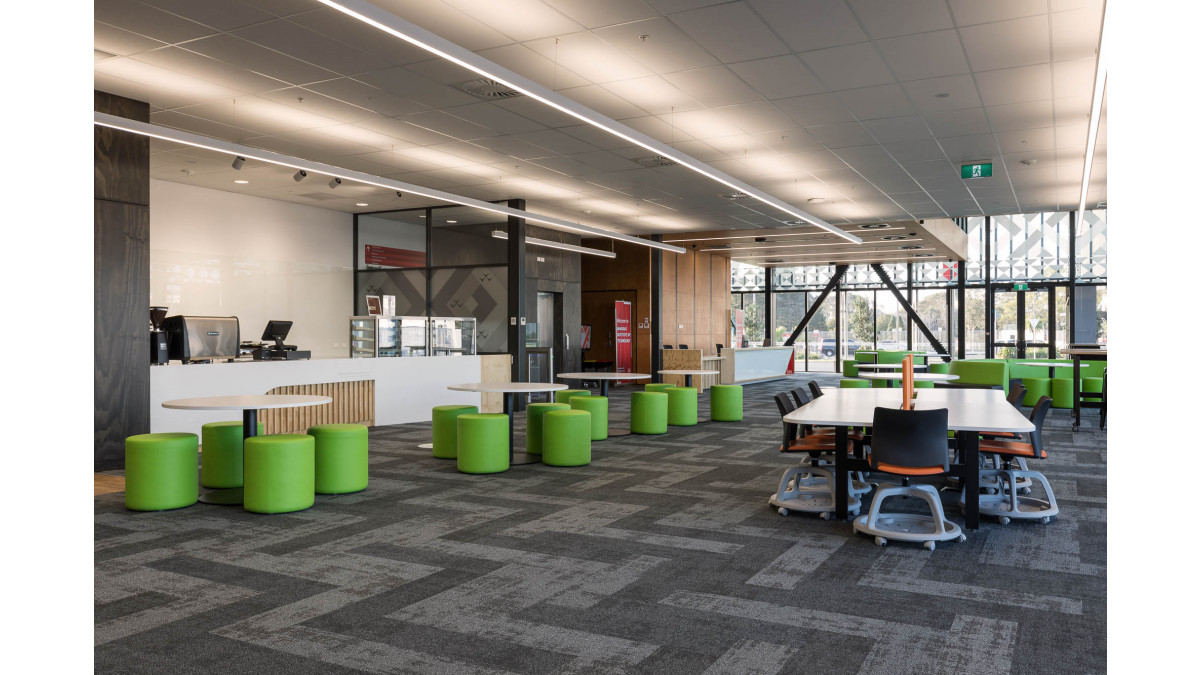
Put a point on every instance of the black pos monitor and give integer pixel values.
(276, 331)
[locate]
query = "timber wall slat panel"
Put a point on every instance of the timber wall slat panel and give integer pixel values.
(353, 403)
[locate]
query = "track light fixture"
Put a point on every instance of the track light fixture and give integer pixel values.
(334, 183)
(300, 175)
(238, 162)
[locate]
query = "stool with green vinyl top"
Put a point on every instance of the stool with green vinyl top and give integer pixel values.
(597, 406)
(280, 473)
(725, 402)
(658, 387)
(648, 412)
(533, 424)
(221, 454)
(564, 395)
(483, 443)
(341, 458)
(682, 403)
(567, 438)
(445, 429)
(162, 471)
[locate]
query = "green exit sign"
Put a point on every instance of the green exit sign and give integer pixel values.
(981, 170)
(1020, 287)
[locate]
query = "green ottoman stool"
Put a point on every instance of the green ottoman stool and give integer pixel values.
(445, 428)
(597, 406)
(1035, 388)
(566, 438)
(533, 424)
(221, 456)
(940, 367)
(162, 471)
(564, 395)
(1062, 393)
(648, 412)
(341, 458)
(854, 384)
(280, 472)
(725, 402)
(1091, 385)
(483, 443)
(658, 387)
(681, 406)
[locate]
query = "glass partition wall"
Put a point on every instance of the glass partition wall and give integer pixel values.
(1032, 284)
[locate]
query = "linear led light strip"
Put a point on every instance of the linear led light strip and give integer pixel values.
(435, 44)
(773, 248)
(822, 257)
(533, 241)
(217, 145)
(1094, 122)
(775, 235)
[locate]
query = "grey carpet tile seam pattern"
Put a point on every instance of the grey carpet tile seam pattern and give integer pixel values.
(661, 556)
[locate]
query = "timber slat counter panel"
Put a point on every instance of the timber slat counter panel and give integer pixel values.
(353, 403)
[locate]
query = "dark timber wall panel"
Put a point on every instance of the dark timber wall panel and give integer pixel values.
(122, 282)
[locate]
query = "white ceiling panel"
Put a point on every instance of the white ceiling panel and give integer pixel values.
(732, 32)
(889, 19)
(714, 86)
(665, 49)
(943, 93)
(494, 118)
(1076, 32)
(756, 117)
(592, 14)
(848, 67)
(402, 81)
(220, 14)
(915, 151)
(405, 133)
(556, 141)
(520, 20)
(299, 42)
(1028, 115)
(583, 54)
(208, 69)
(917, 57)
(1071, 136)
(1008, 44)
(966, 148)
(119, 41)
(810, 24)
(968, 12)
(958, 122)
(1015, 85)
(789, 141)
(870, 103)
(906, 129)
(347, 31)
(815, 110)
(845, 135)
(653, 94)
(450, 125)
(258, 59)
(150, 22)
(602, 101)
(366, 96)
(1026, 140)
(1074, 78)
(318, 104)
(779, 77)
(177, 88)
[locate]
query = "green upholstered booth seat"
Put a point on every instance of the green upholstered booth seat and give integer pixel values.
(922, 385)
(445, 429)
(648, 412)
(980, 373)
(658, 386)
(341, 458)
(725, 402)
(162, 471)
(567, 438)
(221, 454)
(1092, 385)
(854, 384)
(850, 367)
(1035, 388)
(939, 366)
(682, 404)
(280, 473)
(483, 443)
(564, 395)
(597, 406)
(533, 424)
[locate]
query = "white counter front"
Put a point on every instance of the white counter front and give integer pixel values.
(754, 364)
(406, 389)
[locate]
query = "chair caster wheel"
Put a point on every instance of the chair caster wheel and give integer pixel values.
(1004, 520)
(1024, 491)
(854, 513)
(1045, 520)
(930, 545)
(962, 538)
(826, 516)
(783, 511)
(880, 541)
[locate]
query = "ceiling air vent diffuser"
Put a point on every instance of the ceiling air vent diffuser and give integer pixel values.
(489, 90)
(655, 161)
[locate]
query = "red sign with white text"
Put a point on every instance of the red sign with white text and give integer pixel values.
(624, 336)
(387, 256)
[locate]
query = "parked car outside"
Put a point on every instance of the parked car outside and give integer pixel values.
(829, 346)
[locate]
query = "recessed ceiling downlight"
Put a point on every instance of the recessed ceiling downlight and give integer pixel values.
(241, 182)
(894, 237)
(922, 255)
(911, 247)
(873, 226)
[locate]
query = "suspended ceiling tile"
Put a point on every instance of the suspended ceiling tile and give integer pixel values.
(889, 19)
(1016, 116)
(556, 141)
(318, 104)
(966, 148)
(909, 128)
(968, 12)
(592, 14)
(778, 77)
(404, 132)
(665, 49)
(1074, 78)
(603, 101)
(402, 81)
(164, 88)
(148, 21)
(943, 93)
(870, 103)
(209, 70)
(520, 20)
(366, 96)
(348, 31)
(732, 32)
(1071, 136)
(1067, 110)
(494, 118)
(915, 151)
(308, 45)
(810, 24)
(119, 41)
(848, 67)
(815, 110)
(757, 117)
(916, 57)
(256, 58)
(220, 14)
(179, 119)
(713, 86)
(958, 122)
(1007, 44)
(653, 94)
(1026, 140)
(585, 55)
(1076, 32)
(1015, 85)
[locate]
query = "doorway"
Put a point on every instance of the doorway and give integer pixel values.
(1023, 323)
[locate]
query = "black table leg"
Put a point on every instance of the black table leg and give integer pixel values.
(604, 388)
(1074, 390)
(687, 380)
(515, 458)
(968, 447)
(235, 496)
(842, 473)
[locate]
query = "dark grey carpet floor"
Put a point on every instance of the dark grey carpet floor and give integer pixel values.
(662, 556)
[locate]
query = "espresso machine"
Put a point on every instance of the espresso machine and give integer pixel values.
(158, 339)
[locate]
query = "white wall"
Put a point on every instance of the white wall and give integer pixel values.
(215, 253)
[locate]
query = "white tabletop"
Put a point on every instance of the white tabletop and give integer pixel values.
(919, 377)
(1044, 364)
(1083, 352)
(689, 372)
(603, 376)
(983, 410)
(246, 402)
(507, 387)
(885, 366)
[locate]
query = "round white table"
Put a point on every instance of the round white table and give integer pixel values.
(889, 366)
(249, 405)
(1044, 364)
(604, 379)
(687, 374)
(510, 389)
(917, 377)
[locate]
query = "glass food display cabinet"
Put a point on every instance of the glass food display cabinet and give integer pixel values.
(383, 336)
(452, 336)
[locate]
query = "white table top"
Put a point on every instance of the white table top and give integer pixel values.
(983, 410)
(689, 372)
(507, 387)
(886, 366)
(1083, 352)
(1044, 364)
(246, 402)
(920, 377)
(603, 376)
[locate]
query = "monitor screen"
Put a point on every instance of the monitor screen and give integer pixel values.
(276, 331)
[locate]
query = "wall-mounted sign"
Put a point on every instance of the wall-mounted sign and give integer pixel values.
(586, 337)
(977, 170)
(1020, 287)
(623, 315)
(387, 256)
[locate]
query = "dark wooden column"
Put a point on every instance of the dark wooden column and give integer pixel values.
(122, 282)
(516, 297)
(656, 300)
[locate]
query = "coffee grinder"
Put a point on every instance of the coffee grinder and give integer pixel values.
(158, 339)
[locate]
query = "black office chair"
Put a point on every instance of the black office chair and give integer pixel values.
(1012, 498)
(815, 388)
(683, 346)
(809, 487)
(668, 347)
(719, 348)
(909, 443)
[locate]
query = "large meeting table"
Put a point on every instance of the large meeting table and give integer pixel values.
(970, 412)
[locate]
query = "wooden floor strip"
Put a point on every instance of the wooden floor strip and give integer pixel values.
(106, 484)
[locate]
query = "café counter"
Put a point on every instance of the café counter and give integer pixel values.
(754, 364)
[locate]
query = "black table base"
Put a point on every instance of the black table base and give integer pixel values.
(235, 496)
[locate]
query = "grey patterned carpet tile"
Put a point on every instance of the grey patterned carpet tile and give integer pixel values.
(661, 556)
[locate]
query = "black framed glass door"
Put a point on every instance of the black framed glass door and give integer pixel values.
(1023, 323)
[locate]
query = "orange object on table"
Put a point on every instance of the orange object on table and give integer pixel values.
(907, 382)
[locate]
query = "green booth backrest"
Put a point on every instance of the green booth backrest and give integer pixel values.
(981, 372)
(1086, 369)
